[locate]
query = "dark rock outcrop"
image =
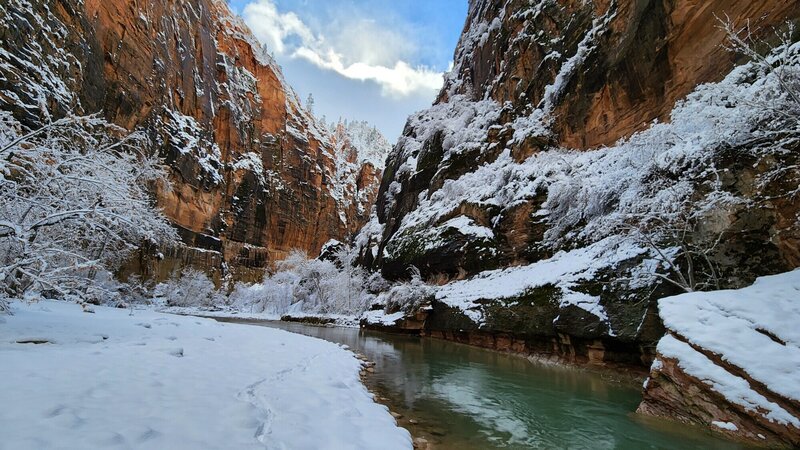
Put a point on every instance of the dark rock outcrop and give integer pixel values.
(672, 393)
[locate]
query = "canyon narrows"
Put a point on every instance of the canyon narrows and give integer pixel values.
(612, 184)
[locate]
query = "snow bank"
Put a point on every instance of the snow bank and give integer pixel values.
(735, 389)
(563, 271)
(153, 380)
(381, 318)
(754, 329)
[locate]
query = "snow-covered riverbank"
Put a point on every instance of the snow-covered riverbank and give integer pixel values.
(152, 380)
(340, 320)
(731, 361)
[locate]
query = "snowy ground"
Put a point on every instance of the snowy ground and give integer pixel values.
(153, 380)
(752, 330)
(340, 320)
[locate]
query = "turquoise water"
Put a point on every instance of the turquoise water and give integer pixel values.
(463, 397)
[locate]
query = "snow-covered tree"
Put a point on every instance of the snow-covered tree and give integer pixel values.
(776, 60)
(310, 103)
(74, 202)
(347, 286)
(191, 288)
(303, 285)
(406, 295)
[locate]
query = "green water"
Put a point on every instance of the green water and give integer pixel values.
(469, 398)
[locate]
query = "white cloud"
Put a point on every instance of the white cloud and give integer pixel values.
(272, 27)
(401, 80)
(359, 50)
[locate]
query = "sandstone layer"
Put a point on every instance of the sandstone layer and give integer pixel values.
(253, 174)
(540, 196)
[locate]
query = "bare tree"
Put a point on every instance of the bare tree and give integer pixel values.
(771, 58)
(685, 252)
(685, 248)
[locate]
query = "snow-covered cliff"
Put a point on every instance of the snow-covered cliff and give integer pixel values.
(495, 193)
(254, 174)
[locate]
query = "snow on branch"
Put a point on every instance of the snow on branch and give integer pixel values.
(74, 201)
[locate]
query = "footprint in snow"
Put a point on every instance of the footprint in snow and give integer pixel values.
(264, 414)
(349, 412)
(148, 435)
(35, 340)
(94, 339)
(95, 393)
(172, 338)
(115, 439)
(142, 324)
(176, 352)
(55, 412)
(339, 385)
(77, 421)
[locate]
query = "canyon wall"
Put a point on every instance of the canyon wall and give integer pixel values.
(569, 143)
(253, 173)
(604, 69)
(585, 159)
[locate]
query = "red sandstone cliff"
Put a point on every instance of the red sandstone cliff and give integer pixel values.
(640, 57)
(254, 175)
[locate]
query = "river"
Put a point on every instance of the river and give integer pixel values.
(461, 397)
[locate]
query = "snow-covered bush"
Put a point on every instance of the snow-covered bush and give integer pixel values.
(274, 296)
(302, 285)
(191, 288)
(136, 290)
(74, 203)
(405, 296)
(336, 287)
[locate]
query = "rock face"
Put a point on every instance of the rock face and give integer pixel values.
(253, 173)
(552, 213)
(541, 196)
(731, 360)
(630, 59)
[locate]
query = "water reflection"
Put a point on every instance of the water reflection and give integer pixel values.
(470, 398)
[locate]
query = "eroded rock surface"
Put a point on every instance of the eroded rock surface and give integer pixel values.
(253, 174)
(731, 361)
(541, 196)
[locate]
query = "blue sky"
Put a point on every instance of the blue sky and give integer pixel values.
(374, 60)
